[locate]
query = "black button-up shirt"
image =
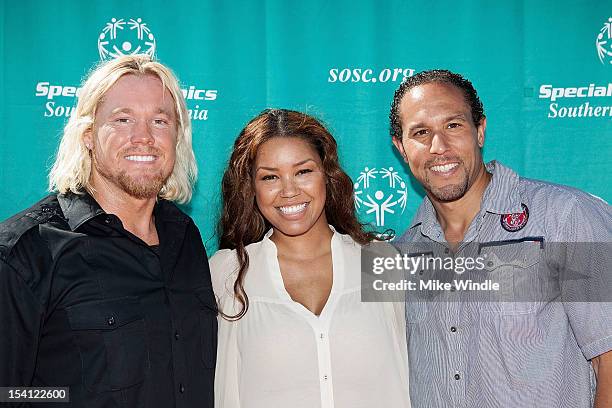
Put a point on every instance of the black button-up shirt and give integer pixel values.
(88, 305)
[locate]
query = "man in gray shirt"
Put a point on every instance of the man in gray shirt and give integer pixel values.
(502, 348)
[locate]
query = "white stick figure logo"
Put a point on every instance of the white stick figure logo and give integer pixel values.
(378, 192)
(116, 39)
(603, 43)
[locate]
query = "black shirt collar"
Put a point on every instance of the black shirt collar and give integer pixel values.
(79, 209)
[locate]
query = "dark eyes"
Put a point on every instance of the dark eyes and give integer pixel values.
(156, 122)
(160, 122)
(424, 132)
(301, 172)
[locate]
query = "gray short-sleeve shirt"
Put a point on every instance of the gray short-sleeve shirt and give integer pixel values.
(528, 353)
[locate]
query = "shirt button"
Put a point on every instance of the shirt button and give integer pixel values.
(457, 376)
(453, 329)
(176, 335)
(321, 336)
(446, 250)
(108, 220)
(325, 378)
(490, 264)
(181, 388)
(110, 321)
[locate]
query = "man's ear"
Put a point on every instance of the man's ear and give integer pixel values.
(88, 138)
(481, 131)
(397, 142)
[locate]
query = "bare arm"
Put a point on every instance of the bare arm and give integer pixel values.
(602, 365)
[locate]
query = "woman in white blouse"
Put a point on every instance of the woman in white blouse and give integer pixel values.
(293, 331)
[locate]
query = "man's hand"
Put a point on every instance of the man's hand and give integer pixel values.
(602, 365)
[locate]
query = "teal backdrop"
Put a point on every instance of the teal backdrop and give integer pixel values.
(542, 68)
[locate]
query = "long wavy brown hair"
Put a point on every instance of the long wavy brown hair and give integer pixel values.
(241, 221)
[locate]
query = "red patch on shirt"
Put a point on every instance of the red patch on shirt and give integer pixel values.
(515, 221)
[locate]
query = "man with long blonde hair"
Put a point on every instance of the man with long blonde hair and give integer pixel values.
(104, 284)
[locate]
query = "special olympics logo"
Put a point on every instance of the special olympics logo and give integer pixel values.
(115, 40)
(380, 192)
(603, 43)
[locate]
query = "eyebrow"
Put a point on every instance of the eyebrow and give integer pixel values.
(457, 116)
(446, 119)
(129, 110)
(165, 111)
(121, 110)
(275, 169)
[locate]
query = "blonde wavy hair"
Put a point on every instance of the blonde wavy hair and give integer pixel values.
(72, 168)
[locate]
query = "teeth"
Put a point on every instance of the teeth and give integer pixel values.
(445, 168)
(294, 209)
(141, 158)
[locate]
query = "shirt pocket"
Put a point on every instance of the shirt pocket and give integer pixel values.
(207, 316)
(112, 342)
(515, 265)
(417, 306)
(417, 300)
(416, 312)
